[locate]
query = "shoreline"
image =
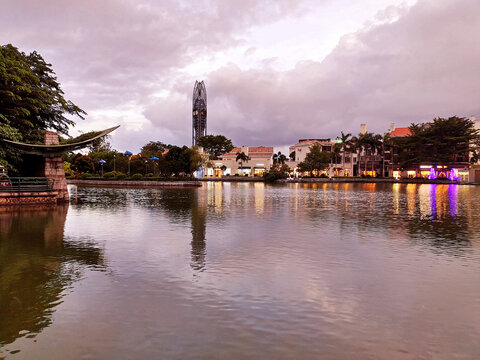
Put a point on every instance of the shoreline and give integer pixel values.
(198, 183)
(134, 183)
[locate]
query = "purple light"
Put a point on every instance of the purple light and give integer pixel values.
(453, 174)
(432, 175)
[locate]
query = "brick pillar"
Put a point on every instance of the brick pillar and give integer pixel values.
(54, 169)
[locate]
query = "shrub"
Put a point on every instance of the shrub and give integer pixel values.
(109, 175)
(137, 177)
(323, 176)
(86, 176)
(120, 176)
(149, 175)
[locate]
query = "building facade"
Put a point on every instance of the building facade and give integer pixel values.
(259, 160)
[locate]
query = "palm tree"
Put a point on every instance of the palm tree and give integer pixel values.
(279, 158)
(241, 156)
(346, 143)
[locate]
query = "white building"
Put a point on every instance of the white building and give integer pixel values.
(260, 159)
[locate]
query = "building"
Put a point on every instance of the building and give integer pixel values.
(341, 164)
(260, 159)
(199, 112)
(457, 169)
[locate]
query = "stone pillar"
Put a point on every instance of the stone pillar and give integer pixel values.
(54, 169)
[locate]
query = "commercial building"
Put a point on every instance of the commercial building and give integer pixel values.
(258, 160)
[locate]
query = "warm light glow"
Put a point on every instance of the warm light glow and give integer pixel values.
(396, 175)
(411, 173)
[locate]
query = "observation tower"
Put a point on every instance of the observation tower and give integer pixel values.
(199, 112)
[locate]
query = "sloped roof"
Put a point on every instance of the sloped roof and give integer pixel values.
(404, 131)
(57, 150)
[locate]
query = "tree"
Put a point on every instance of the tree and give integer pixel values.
(345, 145)
(316, 159)
(31, 99)
(279, 158)
(216, 145)
(242, 157)
(292, 156)
(154, 148)
(183, 160)
(442, 141)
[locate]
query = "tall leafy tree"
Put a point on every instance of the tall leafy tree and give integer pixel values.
(154, 148)
(216, 145)
(442, 141)
(279, 158)
(242, 157)
(31, 99)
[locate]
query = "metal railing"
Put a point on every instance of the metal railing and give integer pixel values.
(25, 184)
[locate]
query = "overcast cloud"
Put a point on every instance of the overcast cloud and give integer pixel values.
(275, 71)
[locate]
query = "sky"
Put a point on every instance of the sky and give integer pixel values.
(275, 70)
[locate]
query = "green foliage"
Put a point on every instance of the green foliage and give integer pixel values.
(31, 100)
(109, 175)
(441, 141)
(279, 158)
(316, 159)
(137, 177)
(277, 172)
(85, 176)
(183, 160)
(154, 148)
(120, 176)
(216, 145)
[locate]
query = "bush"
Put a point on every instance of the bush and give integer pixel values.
(86, 176)
(137, 177)
(120, 176)
(273, 175)
(149, 175)
(109, 175)
(323, 176)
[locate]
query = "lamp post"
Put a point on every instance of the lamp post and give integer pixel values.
(102, 162)
(114, 167)
(129, 155)
(153, 158)
(146, 165)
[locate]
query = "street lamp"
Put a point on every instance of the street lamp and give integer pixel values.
(102, 162)
(129, 155)
(153, 158)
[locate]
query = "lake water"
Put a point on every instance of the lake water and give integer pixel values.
(244, 271)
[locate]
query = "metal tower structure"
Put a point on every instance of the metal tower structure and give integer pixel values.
(199, 112)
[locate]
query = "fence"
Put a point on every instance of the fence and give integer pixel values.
(25, 184)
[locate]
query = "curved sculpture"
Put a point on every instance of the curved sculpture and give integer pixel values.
(54, 150)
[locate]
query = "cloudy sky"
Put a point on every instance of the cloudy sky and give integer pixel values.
(275, 70)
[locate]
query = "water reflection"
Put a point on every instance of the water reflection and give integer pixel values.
(277, 270)
(36, 267)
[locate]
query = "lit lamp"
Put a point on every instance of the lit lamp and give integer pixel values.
(102, 162)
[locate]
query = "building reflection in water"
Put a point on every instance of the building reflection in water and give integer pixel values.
(37, 265)
(199, 228)
(188, 205)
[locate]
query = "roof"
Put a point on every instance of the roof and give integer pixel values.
(54, 150)
(306, 142)
(255, 151)
(405, 131)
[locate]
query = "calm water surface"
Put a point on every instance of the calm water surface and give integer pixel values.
(244, 271)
